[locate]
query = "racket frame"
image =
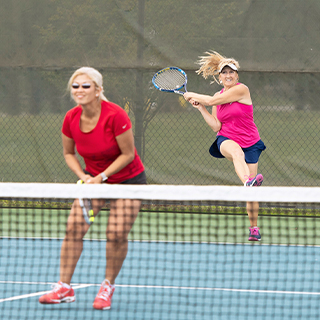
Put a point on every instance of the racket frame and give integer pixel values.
(177, 90)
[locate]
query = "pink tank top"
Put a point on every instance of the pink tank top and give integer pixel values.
(237, 123)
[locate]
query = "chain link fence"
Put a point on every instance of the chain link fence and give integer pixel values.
(275, 41)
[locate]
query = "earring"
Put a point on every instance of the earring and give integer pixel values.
(221, 81)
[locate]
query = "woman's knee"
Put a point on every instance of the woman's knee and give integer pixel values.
(231, 150)
(123, 213)
(117, 236)
(76, 225)
(118, 230)
(75, 231)
(237, 155)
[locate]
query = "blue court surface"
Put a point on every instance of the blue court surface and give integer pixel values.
(166, 280)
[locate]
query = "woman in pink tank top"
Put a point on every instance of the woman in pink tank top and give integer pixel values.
(238, 138)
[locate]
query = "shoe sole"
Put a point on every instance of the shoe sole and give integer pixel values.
(106, 308)
(68, 299)
(258, 182)
(64, 300)
(253, 239)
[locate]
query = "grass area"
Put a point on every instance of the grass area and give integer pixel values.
(215, 224)
(176, 149)
(31, 149)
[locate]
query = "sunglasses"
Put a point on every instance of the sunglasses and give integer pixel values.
(84, 86)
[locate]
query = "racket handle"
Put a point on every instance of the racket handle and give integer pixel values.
(86, 207)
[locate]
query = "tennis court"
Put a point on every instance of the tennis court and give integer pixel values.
(185, 261)
(155, 281)
(189, 257)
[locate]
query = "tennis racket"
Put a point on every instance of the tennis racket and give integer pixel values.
(171, 79)
(86, 207)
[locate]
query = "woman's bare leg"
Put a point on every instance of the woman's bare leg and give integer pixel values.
(253, 206)
(72, 244)
(233, 152)
(123, 213)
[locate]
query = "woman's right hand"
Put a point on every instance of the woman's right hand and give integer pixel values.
(86, 178)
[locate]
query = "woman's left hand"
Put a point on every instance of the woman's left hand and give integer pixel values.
(94, 180)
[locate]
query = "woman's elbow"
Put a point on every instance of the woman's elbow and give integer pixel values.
(216, 128)
(68, 156)
(131, 156)
(211, 102)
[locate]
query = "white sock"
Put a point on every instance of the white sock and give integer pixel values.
(106, 281)
(65, 285)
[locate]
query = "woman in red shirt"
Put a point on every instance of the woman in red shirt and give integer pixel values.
(101, 131)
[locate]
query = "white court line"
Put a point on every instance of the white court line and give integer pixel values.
(80, 286)
(24, 296)
(220, 289)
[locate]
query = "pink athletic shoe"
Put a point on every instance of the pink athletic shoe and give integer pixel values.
(254, 234)
(103, 299)
(58, 294)
(254, 182)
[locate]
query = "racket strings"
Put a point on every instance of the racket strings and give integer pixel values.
(170, 80)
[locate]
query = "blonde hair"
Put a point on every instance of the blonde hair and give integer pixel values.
(213, 63)
(93, 74)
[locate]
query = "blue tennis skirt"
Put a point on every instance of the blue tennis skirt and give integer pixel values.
(251, 154)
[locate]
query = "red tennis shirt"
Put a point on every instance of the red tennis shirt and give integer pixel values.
(99, 147)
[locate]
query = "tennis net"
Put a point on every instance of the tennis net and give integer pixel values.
(188, 255)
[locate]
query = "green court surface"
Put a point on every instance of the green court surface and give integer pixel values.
(228, 226)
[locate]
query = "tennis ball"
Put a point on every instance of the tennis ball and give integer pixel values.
(80, 182)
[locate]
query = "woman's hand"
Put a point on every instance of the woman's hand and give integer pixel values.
(93, 180)
(188, 96)
(196, 104)
(194, 98)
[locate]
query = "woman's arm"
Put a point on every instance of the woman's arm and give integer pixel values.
(238, 93)
(71, 159)
(211, 119)
(126, 144)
